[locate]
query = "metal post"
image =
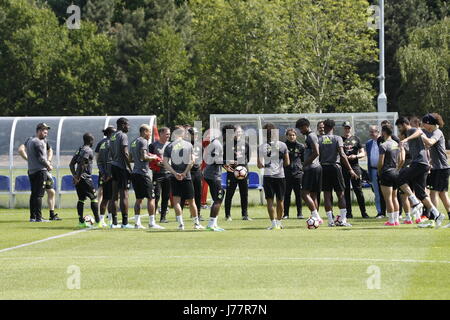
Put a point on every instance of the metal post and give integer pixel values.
(382, 98)
(58, 162)
(12, 196)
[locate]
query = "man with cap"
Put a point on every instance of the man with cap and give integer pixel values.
(49, 185)
(38, 168)
(103, 157)
(437, 181)
(354, 150)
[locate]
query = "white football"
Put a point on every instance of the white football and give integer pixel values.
(312, 223)
(240, 172)
(89, 220)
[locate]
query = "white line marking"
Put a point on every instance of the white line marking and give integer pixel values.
(239, 258)
(43, 240)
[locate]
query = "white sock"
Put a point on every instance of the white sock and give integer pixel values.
(396, 217)
(390, 216)
(414, 200)
(180, 219)
(330, 215)
(408, 216)
(315, 214)
(212, 222)
(109, 217)
(152, 221)
(274, 223)
(343, 214)
(435, 212)
(137, 219)
(196, 221)
(102, 218)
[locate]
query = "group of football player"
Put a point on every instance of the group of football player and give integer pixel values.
(177, 164)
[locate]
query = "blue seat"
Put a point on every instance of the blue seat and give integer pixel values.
(5, 184)
(366, 184)
(253, 180)
(54, 183)
(67, 183)
(224, 180)
(22, 184)
(95, 180)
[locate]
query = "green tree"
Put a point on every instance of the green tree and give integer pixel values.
(425, 68)
(329, 40)
(240, 56)
(101, 12)
(164, 87)
(31, 46)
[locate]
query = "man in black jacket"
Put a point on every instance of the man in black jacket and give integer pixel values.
(294, 173)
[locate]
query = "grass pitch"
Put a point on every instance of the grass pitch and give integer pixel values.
(367, 261)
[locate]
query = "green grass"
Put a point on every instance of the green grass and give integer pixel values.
(245, 262)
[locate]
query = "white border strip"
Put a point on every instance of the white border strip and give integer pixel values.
(363, 260)
(43, 240)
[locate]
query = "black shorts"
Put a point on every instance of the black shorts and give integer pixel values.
(274, 187)
(438, 180)
(389, 178)
(121, 176)
(49, 182)
(85, 189)
(312, 180)
(416, 177)
(216, 190)
(143, 186)
(106, 188)
(332, 178)
(37, 183)
(183, 189)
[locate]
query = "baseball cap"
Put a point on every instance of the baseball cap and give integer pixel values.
(109, 129)
(347, 124)
(41, 126)
(429, 119)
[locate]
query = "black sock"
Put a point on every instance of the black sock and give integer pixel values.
(124, 219)
(80, 208)
(448, 215)
(52, 213)
(114, 218)
(94, 207)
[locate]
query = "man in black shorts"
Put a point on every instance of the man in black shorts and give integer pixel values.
(273, 156)
(161, 177)
(416, 174)
(389, 162)
(140, 177)
(331, 149)
(103, 156)
(438, 178)
(178, 160)
(196, 173)
(354, 150)
(214, 157)
(120, 169)
(312, 170)
(81, 168)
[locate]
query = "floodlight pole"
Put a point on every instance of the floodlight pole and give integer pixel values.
(382, 98)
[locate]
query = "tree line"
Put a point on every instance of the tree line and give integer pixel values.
(185, 59)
